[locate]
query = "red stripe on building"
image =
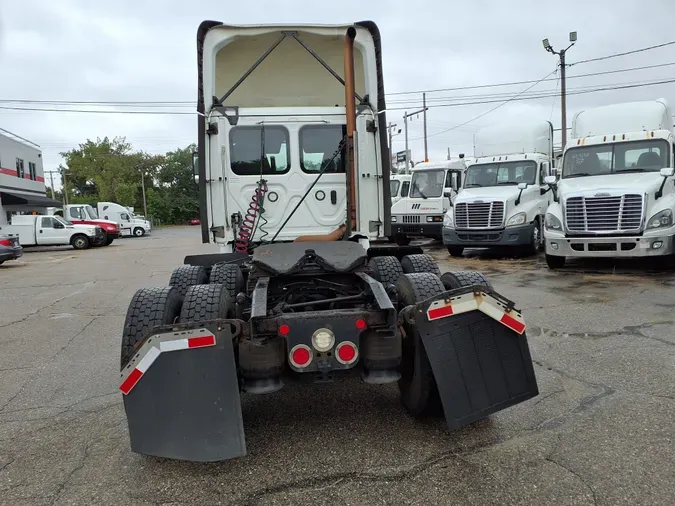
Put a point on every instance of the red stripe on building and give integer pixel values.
(198, 342)
(131, 381)
(8, 172)
(512, 323)
(440, 312)
(40, 179)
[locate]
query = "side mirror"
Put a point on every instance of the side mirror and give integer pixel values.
(58, 224)
(447, 194)
(195, 166)
(667, 171)
(550, 180)
(522, 186)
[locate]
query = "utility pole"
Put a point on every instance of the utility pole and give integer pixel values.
(51, 180)
(65, 187)
(424, 106)
(563, 87)
(448, 152)
(145, 204)
(405, 126)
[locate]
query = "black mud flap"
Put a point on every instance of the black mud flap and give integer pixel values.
(181, 395)
(479, 357)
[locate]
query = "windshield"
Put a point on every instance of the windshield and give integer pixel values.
(91, 212)
(393, 187)
(501, 173)
(428, 183)
(62, 220)
(637, 156)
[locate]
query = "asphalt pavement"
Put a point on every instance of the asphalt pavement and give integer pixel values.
(602, 430)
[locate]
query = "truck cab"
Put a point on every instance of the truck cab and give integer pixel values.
(504, 197)
(433, 186)
(615, 194)
(399, 186)
(129, 224)
(84, 214)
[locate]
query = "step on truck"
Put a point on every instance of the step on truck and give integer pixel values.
(433, 187)
(504, 197)
(615, 194)
(294, 177)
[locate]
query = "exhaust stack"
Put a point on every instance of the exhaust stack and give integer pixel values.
(350, 105)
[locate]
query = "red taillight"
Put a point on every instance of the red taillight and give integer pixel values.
(284, 330)
(6, 242)
(361, 324)
(300, 356)
(346, 352)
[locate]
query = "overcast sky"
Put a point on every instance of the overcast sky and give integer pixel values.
(145, 50)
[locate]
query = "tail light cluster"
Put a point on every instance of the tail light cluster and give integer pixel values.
(6, 242)
(323, 341)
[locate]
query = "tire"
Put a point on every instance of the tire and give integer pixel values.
(80, 241)
(402, 240)
(535, 239)
(420, 263)
(555, 262)
(460, 279)
(186, 276)
(206, 302)
(139, 232)
(149, 308)
(229, 275)
(2, 262)
(455, 251)
(108, 240)
(417, 387)
(386, 269)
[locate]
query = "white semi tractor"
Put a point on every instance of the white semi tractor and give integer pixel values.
(504, 198)
(615, 194)
(432, 188)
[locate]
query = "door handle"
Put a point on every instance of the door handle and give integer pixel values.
(333, 197)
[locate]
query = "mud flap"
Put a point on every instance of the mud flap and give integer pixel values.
(181, 395)
(480, 365)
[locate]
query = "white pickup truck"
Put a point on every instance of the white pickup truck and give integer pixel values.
(616, 192)
(504, 197)
(38, 230)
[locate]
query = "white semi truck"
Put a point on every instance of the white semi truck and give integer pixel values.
(432, 188)
(504, 198)
(293, 170)
(615, 195)
(129, 224)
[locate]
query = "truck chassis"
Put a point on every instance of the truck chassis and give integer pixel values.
(232, 324)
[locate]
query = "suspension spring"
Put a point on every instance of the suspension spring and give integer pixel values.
(247, 227)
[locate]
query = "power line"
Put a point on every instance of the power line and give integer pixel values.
(624, 53)
(97, 111)
(513, 83)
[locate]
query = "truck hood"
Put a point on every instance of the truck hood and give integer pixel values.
(638, 182)
(104, 224)
(488, 194)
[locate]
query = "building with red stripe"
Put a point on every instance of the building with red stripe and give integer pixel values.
(22, 179)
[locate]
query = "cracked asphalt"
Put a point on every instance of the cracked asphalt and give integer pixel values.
(602, 430)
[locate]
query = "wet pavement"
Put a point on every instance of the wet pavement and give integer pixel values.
(602, 430)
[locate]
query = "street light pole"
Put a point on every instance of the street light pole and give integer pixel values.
(145, 205)
(563, 82)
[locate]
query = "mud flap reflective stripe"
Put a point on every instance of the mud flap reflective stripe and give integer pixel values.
(185, 404)
(481, 301)
(480, 362)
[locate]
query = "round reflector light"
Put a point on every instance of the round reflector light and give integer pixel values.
(323, 340)
(346, 352)
(284, 330)
(361, 324)
(300, 356)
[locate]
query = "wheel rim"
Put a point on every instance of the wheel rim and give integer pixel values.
(536, 235)
(79, 243)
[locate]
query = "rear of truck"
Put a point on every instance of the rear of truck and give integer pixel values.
(305, 296)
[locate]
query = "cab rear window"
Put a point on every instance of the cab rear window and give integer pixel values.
(259, 150)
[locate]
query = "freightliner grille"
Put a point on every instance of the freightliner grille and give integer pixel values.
(479, 215)
(606, 214)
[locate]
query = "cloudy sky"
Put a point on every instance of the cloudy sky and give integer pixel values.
(144, 50)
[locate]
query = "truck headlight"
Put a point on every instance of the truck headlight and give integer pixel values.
(552, 223)
(434, 219)
(448, 220)
(393, 219)
(516, 219)
(661, 219)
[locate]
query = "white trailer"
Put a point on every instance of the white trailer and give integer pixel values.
(432, 188)
(504, 197)
(615, 196)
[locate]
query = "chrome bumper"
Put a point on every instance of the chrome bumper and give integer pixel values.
(593, 247)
